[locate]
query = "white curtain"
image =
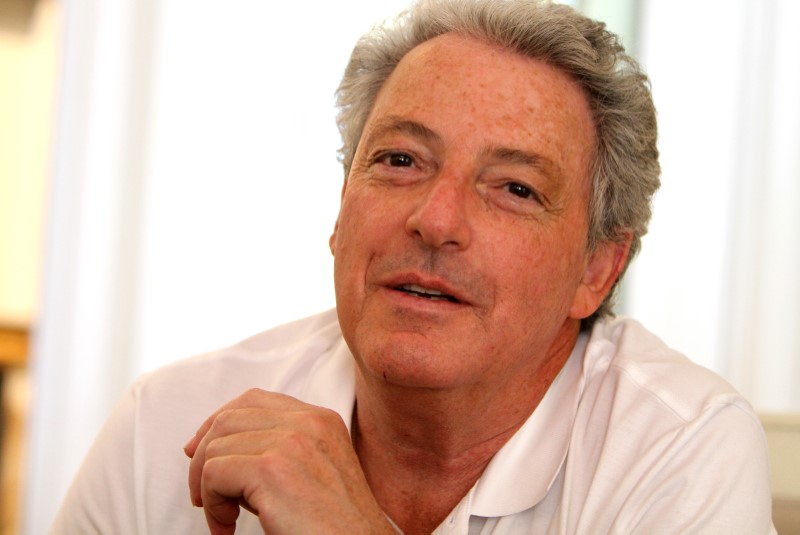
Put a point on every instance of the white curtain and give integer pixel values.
(719, 274)
(195, 184)
(81, 357)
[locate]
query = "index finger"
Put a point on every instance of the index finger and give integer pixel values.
(253, 398)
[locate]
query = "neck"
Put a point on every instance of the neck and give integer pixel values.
(422, 449)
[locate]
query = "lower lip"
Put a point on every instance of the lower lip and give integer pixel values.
(407, 300)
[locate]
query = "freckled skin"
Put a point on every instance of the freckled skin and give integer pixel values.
(523, 269)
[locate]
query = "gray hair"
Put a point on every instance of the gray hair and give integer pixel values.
(625, 171)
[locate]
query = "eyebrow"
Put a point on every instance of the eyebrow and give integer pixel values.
(393, 124)
(522, 157)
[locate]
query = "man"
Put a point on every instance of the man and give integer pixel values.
(499, 160)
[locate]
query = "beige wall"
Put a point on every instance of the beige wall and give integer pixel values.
(28, 48)
(783, 437)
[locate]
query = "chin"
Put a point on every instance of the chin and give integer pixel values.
(412, 366)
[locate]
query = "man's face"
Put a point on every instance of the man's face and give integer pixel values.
(460, 248)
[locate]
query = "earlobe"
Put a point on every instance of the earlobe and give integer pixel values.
(602, 270)
(332, 239)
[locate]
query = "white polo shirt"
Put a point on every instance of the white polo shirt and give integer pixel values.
(630, 438)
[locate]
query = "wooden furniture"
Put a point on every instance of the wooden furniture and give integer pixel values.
(13, 407)
(13, 346)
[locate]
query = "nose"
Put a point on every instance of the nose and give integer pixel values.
(440, 217)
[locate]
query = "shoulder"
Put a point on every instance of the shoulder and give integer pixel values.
(637, 387)
(277, 359)
(656, 434)
(137, 464)
(624, 355)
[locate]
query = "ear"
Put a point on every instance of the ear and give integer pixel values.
(603, 268)
(332, 239)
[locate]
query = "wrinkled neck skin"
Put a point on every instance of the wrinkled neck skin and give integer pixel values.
(422, 449)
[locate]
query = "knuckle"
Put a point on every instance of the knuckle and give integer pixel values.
(313, 438)
(270, 467)
(297, 440)
(212, 469)
(321, 421)
(214, 449)
(224, 422)
(252, 394)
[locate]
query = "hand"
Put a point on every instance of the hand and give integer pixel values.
(290, 463)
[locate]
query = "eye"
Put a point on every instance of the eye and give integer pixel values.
(397, 159)
(521, 191)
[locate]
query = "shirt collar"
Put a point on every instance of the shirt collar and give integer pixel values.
(332, 382)
(521, 473)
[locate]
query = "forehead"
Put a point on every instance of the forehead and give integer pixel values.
(461, 87)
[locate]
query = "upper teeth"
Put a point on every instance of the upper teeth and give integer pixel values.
(420, 289)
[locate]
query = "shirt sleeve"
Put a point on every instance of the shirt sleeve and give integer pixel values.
(102, 497)
(713, 478)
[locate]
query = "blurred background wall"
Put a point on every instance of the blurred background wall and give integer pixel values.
(168, 182)
(29, 40)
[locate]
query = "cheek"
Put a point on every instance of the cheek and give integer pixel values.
(364, 230)
(540, 273)
(348, 227)
(369, 216)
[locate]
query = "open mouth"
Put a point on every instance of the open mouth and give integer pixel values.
(427, 293)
